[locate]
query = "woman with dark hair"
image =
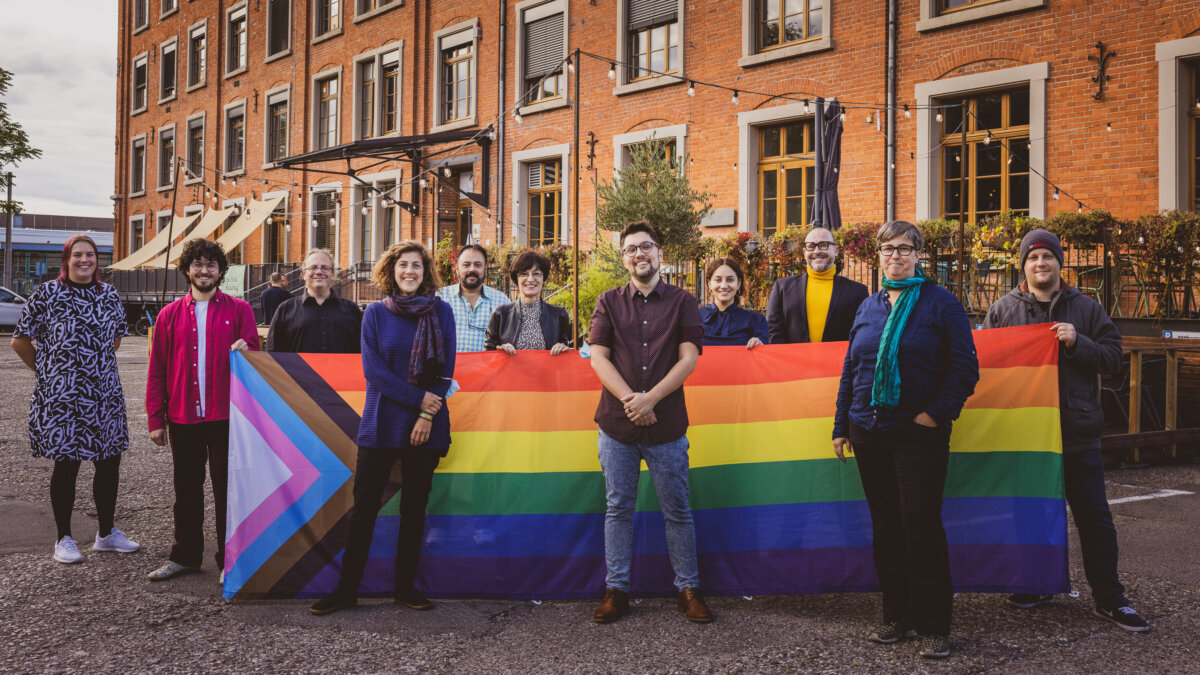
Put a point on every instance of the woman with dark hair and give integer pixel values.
(909, 369)
(725, 321)
(529, 323)
(408, 344)
(77, 412)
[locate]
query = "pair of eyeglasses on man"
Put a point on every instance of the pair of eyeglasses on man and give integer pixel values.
(318, 268)
(817, 246)
(644, 247)
(903, 249)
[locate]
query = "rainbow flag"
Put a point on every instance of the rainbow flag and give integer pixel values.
(517, 509)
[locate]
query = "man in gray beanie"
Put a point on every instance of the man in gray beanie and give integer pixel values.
(1089, 344)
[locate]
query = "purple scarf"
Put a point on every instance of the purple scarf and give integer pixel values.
(427, 360)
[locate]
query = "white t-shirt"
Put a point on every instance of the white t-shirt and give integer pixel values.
(202, 341)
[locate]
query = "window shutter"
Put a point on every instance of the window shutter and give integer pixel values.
(645, 13)
(535, 175)
(543, 46)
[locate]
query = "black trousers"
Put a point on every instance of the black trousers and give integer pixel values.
(903, 475)
(371, 474)
(1083, 473)
(193, 446)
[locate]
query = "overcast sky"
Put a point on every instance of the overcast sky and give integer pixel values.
(63, 56)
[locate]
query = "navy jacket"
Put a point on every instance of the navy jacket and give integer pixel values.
(735, 326)
(938, 366)
(787, 315)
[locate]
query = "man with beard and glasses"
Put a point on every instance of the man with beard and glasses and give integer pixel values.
(187, 396)
(817, 306)
(471, 299)
(317, 322)
(645, 340)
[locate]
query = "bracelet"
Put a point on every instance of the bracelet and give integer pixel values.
(426, 416)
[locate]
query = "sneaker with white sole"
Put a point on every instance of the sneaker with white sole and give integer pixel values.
(1030, 600)
(115, 541)
(66, 552)
(1125, 617)
(935, 647)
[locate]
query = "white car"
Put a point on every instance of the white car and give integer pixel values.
(11, 306)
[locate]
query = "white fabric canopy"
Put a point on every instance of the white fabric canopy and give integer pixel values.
(252, 216)
(156, 245)
(207, 225)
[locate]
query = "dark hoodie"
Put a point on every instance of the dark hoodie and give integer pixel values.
(1097, 351)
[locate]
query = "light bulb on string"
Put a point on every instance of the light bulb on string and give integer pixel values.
(235, 182)
(907, 113)
(270, 220)
(1109, 126)
(612, 71)
(734, 100)
(314, 222)
(446, 171)
(870, 118)
(1055, 195)
(893, 165)
(805, 106)
(691, 88)
(222, 180)
(938, 117)
(843, 117)
(517, 117)
(1080, 207)
(1010, 158)
(1029, 145)
(570, 65)
(424, 183)
(987, 138)
(364, 210)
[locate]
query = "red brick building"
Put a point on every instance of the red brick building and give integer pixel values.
(234, 87)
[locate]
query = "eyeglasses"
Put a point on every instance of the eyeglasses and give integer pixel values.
(211, 266)
(532, 274)
(817, 246)
(644, 247)
(318, 268)
(903, 249)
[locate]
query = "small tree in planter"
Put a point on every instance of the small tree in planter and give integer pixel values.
(1082, 231)
(997, 239)
(938, 233)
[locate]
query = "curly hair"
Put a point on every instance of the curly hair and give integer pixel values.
(203, 248)
(527, 261)
(716, 263)
(384, 273)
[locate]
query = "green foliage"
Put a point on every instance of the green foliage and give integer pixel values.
(603, 270)
(1082, 230)
(857, 241)
(14, 145)
(653, 188)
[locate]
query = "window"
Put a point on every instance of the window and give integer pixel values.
(166, 64)
(390, 216)
(328, 16)
(197, 52)
(137, 166)
(542, 52)
(456, 83)
(141, 14)
(236, 43)
(169, 6)
(277, 126)
(195, 149)
(140, 67)
(327, 112)
(166, 157)
(137, 233)
(653, 38)
(937, 14)
(784, 21)
(279, 27)
(324, 220)
(786, 175)
(545, 203)
(994, 164)
(1194, 135)
(377, 103)
(362, 7)
(366, 220)
(163, 222)
(235, 139)
(276, 234)
(236, 254)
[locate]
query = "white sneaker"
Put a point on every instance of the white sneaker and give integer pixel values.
(115, 541)
(66, 552)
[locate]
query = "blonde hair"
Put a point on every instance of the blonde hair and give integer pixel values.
(383, 275)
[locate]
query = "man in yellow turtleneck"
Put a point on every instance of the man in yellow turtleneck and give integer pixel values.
(819, 305)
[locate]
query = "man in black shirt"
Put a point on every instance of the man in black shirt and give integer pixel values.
(274, 296)
(318, 321)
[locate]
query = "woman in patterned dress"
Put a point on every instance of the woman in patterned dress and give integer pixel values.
(529, 323)
(77, 411)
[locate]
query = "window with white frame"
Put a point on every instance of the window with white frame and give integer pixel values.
(197, 54)
(540, 195)
(541, 50)
(141, 67)
(783, 22)
(937, 14)
(454, 90)
(167, 68)
(279, 27)
(327, 16)
(169, 6)
(275, 233)
(137, 234)
(277, 126)
(362, 7)
(325, 111)
(237, 40)
(1178, 123)
(377, 100)
(195, 148)
(141, 14)
(389, 216)
(137, 166)
(163, 221)
(1193, 125)
(235, 139)
(166, 156)
(325, 206)
(654, 37)
(365, 197)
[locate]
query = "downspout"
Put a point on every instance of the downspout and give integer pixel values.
(891, 110)
(498, 213)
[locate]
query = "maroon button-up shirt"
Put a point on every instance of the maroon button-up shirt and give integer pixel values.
(644, 333)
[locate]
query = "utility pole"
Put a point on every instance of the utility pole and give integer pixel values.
(8, 224)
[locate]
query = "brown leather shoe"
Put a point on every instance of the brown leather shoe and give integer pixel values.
(615, 606)
(691, 603)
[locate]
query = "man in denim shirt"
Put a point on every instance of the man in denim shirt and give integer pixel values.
(471, 299)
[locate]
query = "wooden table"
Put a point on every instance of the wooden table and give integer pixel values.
(1137, 347)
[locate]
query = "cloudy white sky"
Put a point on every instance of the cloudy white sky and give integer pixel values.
(63, 56)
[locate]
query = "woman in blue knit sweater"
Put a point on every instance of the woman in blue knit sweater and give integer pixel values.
(408, 359)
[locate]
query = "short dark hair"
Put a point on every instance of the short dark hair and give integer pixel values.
(276, 277)
(716, 263)
(472, 247)
(640, 226)
(527, 261)
(202, 248)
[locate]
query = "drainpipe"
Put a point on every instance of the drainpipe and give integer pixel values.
(891, 110)
(498, 212)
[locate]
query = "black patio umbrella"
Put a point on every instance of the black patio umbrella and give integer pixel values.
(831, 156)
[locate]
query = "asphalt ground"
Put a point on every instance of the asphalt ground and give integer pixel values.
(103, 616)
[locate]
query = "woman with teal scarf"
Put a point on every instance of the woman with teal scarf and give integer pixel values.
(910, 367)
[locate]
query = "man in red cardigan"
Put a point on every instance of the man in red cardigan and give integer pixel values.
(187, 395)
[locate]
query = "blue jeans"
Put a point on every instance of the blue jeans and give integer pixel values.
(1084, 476)
(668, 464)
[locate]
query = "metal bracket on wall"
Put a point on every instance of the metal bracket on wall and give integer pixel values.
(1101, 75)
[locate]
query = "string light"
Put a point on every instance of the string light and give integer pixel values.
(870, 118)
(1010, 158)
(517, 117)
(364, 210)
(987, 138)
(805, 106)
(1056, 193)
(938, 117)
(612, 71)
(843, 117)
(314, 222)
(691, 88)
(734, 100)
(1080, 206)
(1109, 126)
(446, 171)
(907, 112)
(570, 65)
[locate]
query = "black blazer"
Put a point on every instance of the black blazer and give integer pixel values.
(505, 326)
(787, 316)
